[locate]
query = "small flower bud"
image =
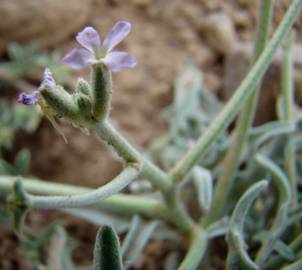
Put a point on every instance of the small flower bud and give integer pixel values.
(60, 102)
(83, 87)
(83, 103)
(101, 91)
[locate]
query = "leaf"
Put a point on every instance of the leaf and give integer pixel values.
(279, 178)
(294, 266)
(142, 238)
(59, 253)
(6, 168)
(130, 237)
(100, 218)
(237, 256)
(218, 228)
(22, 161)
(172, 261)
(284, 250)
(203, 181)
(107, 254)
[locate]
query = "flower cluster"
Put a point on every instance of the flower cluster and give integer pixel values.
(93, 52)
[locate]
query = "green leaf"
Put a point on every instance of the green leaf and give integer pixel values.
(284, 251)
(238, 259)
(22, 161)
(59, 252)
(203, 181)
(99, 218)
(107, 254)
(130, 237)
(139, 243)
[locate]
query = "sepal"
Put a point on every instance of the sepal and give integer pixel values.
(101, 91)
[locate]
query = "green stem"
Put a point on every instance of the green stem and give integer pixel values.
(121, 203)
(152, 173)
(287, 78)
(129, 154)
(91, 197)
(196, 251)
(278, 260)
(288, 97)
(233, 156)
(294, 266)
(243, 92)
(177, 212)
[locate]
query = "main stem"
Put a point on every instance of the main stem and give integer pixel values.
(243, 92)
(129, 154)
(149, 170)
(232, 159)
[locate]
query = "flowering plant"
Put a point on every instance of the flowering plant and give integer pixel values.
(265, 154)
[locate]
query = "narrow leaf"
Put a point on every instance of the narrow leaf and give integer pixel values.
(203, 181)
(284, 251)
(140, 242)
(107, 254)
(237, 256)
(134, 227)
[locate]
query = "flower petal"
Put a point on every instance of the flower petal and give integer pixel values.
(118, 32)
(118, 61)
(28, 99)
(89, 39)
(78, 58)
(48, 79)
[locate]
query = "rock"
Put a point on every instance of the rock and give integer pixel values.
(237, 65)
(219, 32)
(46, 21)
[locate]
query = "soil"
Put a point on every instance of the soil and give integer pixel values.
(165, 32)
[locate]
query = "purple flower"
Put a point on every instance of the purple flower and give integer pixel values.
(94, 51)
(28, 99)
(32, 98)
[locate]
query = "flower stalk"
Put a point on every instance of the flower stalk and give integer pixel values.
(288, 98)
(246, 117)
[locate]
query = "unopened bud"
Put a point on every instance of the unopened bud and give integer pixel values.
(60, 102)
(83, 87)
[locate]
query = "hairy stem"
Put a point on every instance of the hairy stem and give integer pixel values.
(129, 154)
(196, 250)
(91, 197)
(243, 92)
(232, 159)
(121, 203)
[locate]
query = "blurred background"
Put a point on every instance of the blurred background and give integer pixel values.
(215, 35)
